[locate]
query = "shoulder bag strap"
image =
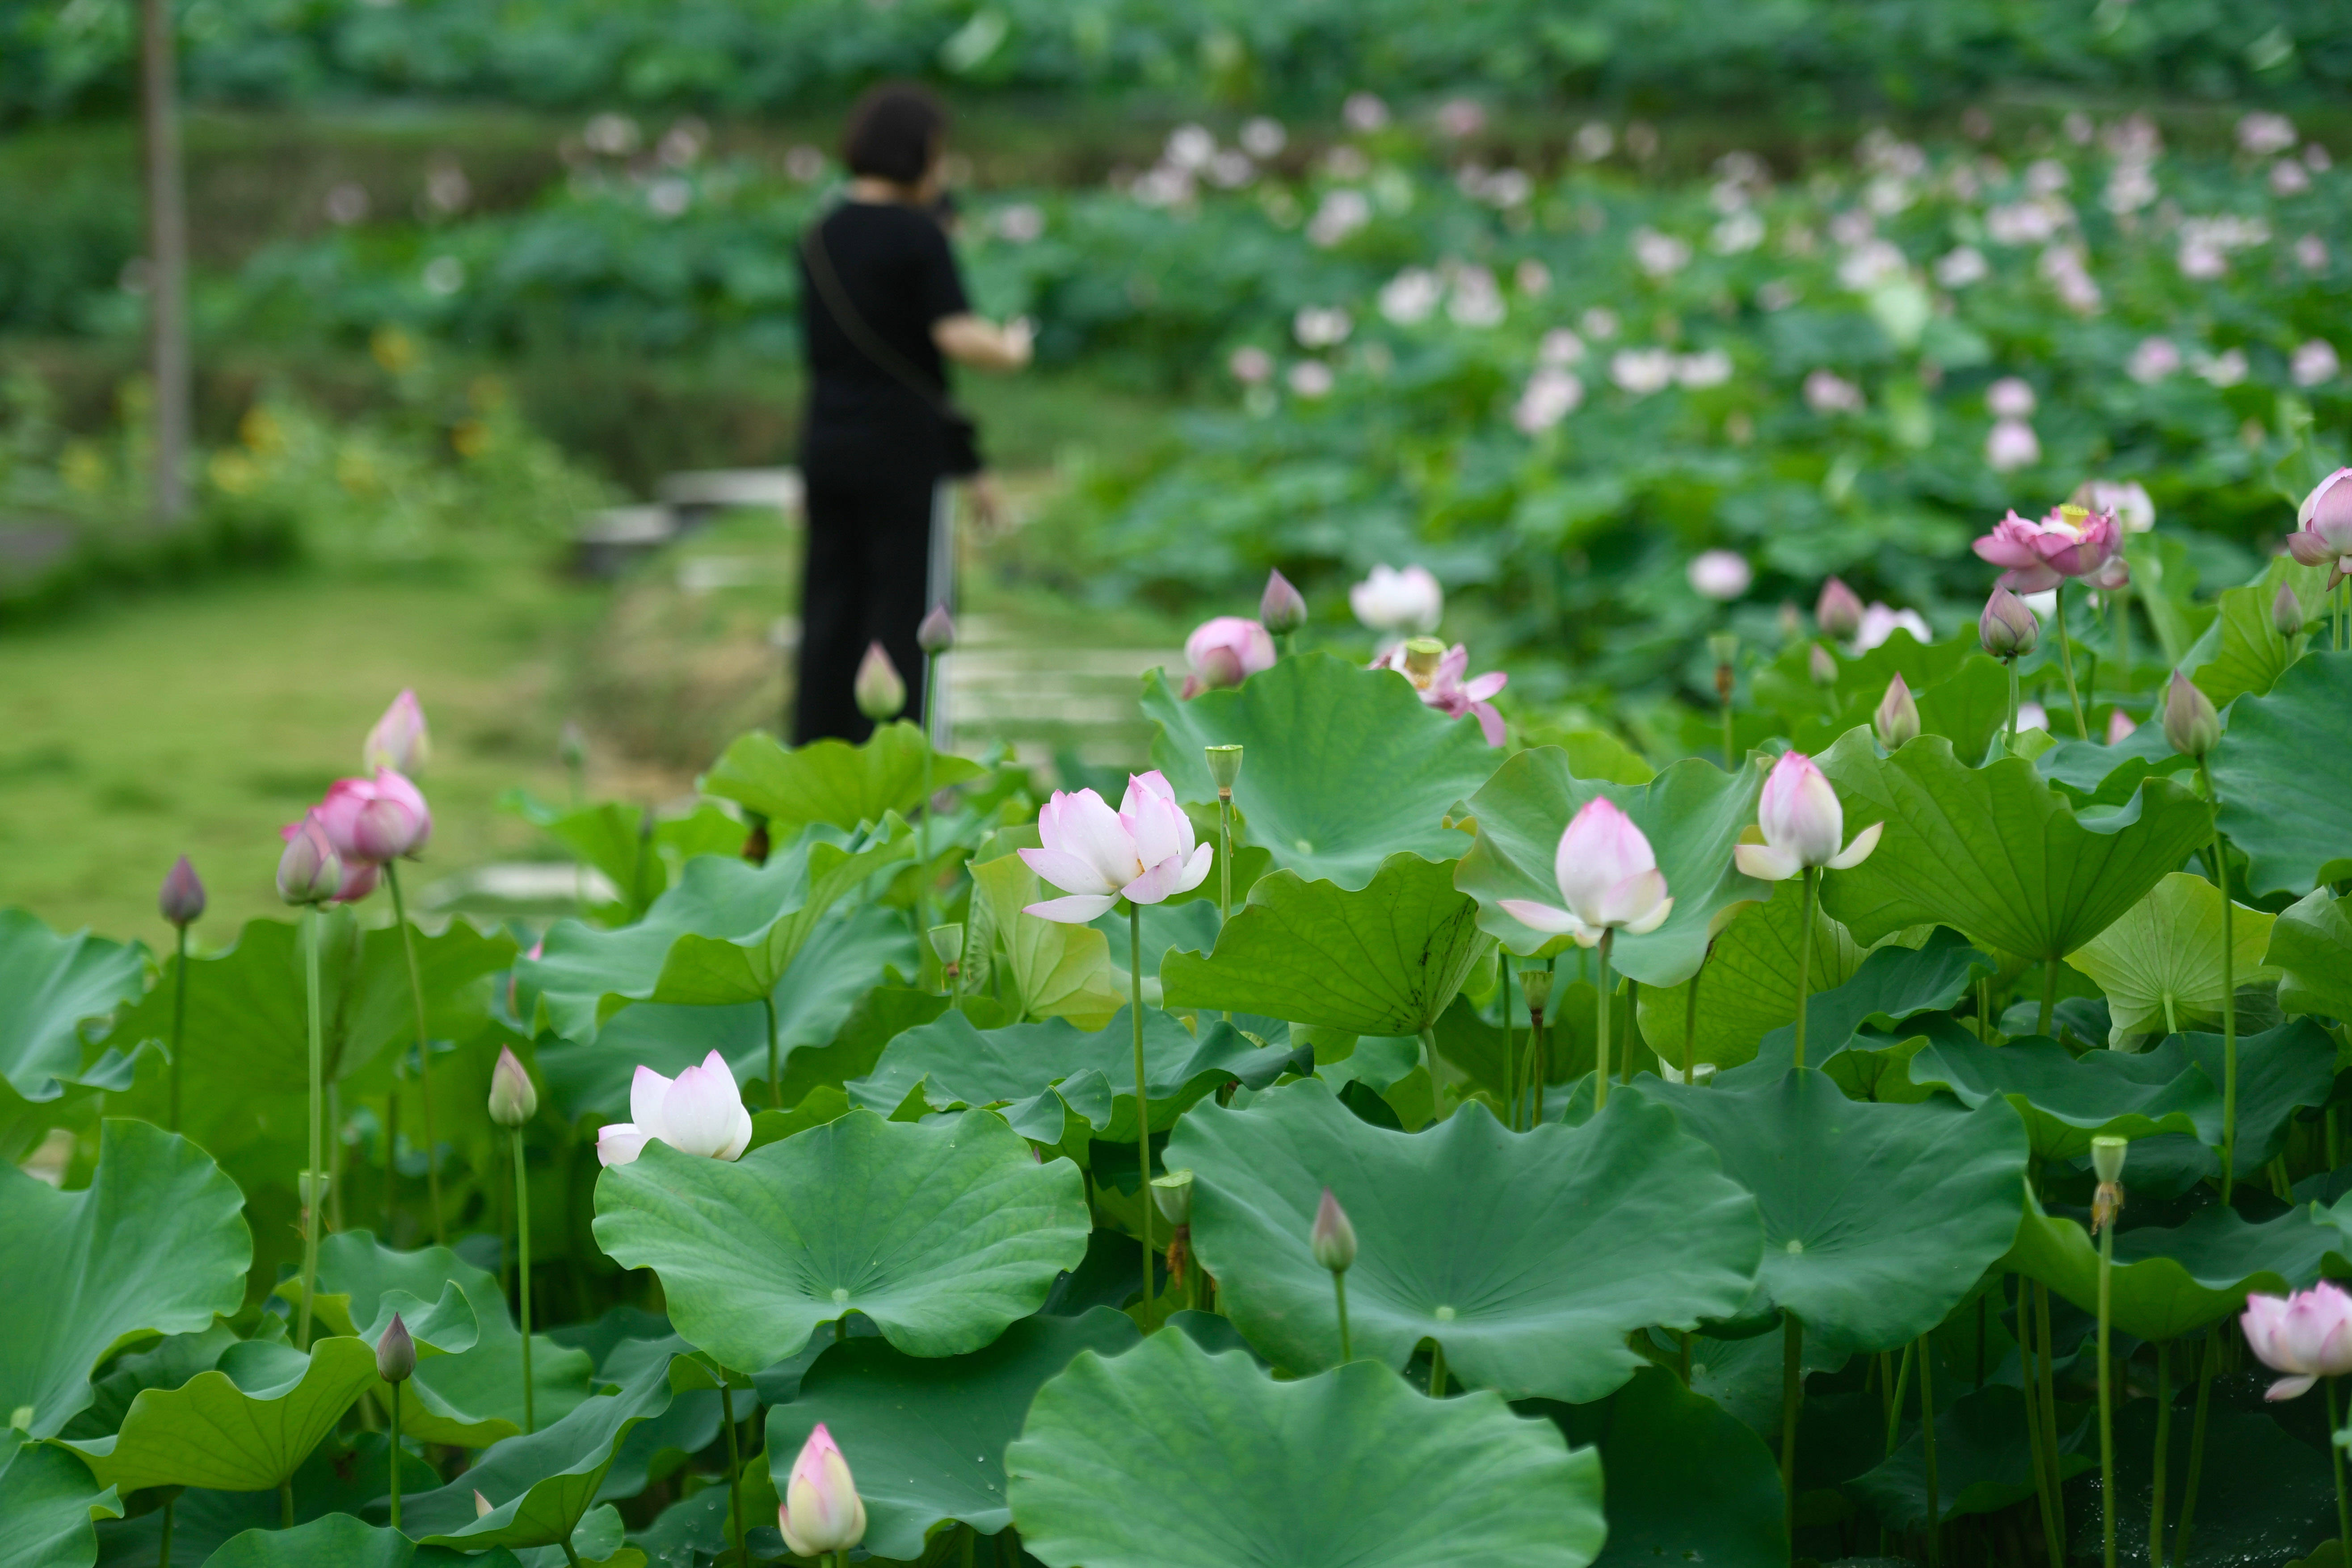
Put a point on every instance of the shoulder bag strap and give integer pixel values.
(862, 337)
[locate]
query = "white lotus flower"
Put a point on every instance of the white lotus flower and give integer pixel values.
(698, 1112)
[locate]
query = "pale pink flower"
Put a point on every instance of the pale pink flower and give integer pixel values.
(1608, 877)
(2012, 444)
(2155, 359)
(2069, 542)
(400, 739)
(371, 821)
(2011, 397)
(1250, 365)
(1446, 690)
(2307, 1335)
(1720, 575)
(1802, 825)
(821, 1513)
(1826, 391)
(699, 1112)
(1549, 396)
(1398, 602)
(1880, 622)
(2119, 727)
(2323, 526)
(2314, 362)
(1226, 651)
(1142, 852)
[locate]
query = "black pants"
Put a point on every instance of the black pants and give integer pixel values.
(869, 537)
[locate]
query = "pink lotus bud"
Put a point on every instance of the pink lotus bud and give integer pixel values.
(2286, 612)
(395, 1352)
(399, 741)
(2007, 628)
(481, 1505)
(1802, 824)
(1838, 612)
(1227, 650)
(821, 1511)
(881, 695)
(2190, 722)
(1608, 877)
(182, 897)
(1897, 719)
(309, 872)
(2307, 1335)
(393, 821)
(1332, 1240)
(2120, 727)
(1822, 665)
(936, 634)
(1720, 575)
(1281, 609)
(513, 1100)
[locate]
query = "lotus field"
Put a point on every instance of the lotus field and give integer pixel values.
(1401, 1127)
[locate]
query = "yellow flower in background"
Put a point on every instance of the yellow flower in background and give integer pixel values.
(471, 437)
(261, 432)
(234, 472)
(355, 470)
(394, 350)
(83, 467)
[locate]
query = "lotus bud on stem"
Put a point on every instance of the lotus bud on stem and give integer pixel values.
(1224, 771)
(310, 873)
(1332, 1242)
(2107, 1162)
(1173, 1195)
(181, 901)
(2286, 614)
(1822, 665)
(1534, 983)
(1724, 648)
(395, 1359)
(2008, 631)
(1838, 612)
(1897, 717)
(934, 637)
(821, 1514)
(1281, 609)
(947, 946)
(514, 1101)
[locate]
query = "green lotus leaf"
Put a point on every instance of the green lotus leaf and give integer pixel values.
(340, 1540)
(2093, 772)
(1892, 984)
(1341, 767)
(833, 782)
(1348, 1469)
(2279, 772)
(728, 932)
(1966, 702)
(2066, 1101)
(243, 1427)
(2265, 1494)
(1692, 815)
(611, 837)
(2280, 1071)
(2241, 651)
(1655, 1436)
(49, 986)
(2160, 964)
(1529, 1258)
(1057, 971)
(1878, 1219)
(942, 1232)
(340, 1477)
(1748, 986)
(927, 1438)
(1385, 959)
(1786, 685)
(1055, 1081)
(1984, 1461)
(156, 1244)
(48, 1500)
(2170, 1282)
(2311, 951)
(1995, 853)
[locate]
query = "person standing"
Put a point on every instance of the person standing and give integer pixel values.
(883, 309)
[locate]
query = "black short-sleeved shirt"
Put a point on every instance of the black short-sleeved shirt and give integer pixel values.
(894, 263)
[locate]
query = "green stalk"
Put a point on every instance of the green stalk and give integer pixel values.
(2106, 1393)
(522, 1272)
(2335, 1453)
(1436, 1370)
(734, 1468)
(2228, 1003)
(1340, 1293)
(1225, 868)
(1812, 875)
(2207, 1364)
(1792, 1394)
(2012, 662)
(311, 1207)
(775, 1071)
(923, 823)
(1633, 1030)
(423, 1053)
(1535, 1067)
(163, 1551)
(2066, 658)
(286, 1503)
(2050, 1406)
(1690, 1022)
(179, 1028)
(1927, 1443)
(2049, 994)
(1902, 1380)
(2122, 597)
(1601, 1076)
(1142, 1090)
(395, 1456)
(1510, 1063)
(2033, 1391)
(1727, 760)
(2156, 1521)
(570, 1558)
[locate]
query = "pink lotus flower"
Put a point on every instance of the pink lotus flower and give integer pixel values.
(821, 1513)
(1142, 852)
(2324, 526)
(699, 1112)
(309, 872)
(1880, 622)
(2012, 444)
(371, 821)
(1802, 824)
(1398, 602)
(2069, 542)
(1720, 575)
(399, 741)
(2119, 727)
(1608, 877)
(1441, 684)
(2307, 1335)
(1225, 652)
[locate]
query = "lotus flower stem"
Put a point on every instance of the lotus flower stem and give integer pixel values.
(2156, 1521)
(286, 1503)
(2335, 1453)
(735, 1464)
(2042, 1460)
(1928, 1447)
(2066, 661)
(163, 1548)
(1690, 1022)
(570, 1557)
(1511, 1065)
(2107, 1394)
(1601, 1023)
(1534, 1066)
(310, 1195)
(2050, 1411)
(2012, 662)
(1224, 861)
(2229, 1002)
(1340, 1296)
(2049, 994)
(1813, 875)
(424, 1052)
(1793, 1394)
(775, 1073)
(179, 1027)
(395, 1456)
(1894, 1391)
(923, 823)
(522, 1271)
(1142, 1090)
(1633, 1030)
(1436, 1370)
(2207, 1364)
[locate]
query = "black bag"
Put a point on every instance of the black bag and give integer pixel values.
(960, 433)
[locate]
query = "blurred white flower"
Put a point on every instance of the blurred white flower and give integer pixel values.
(2224, 369)
(1879, 622)
(1410, 296)
(1709, 367)
(2031, 715)
(2024, 222)
(1321, 327)
(1021, 223)
(444, 276)
(1263, 138)
(1460, 117)
(1778, 294)
(1476, 300)
(614, 135)
(2077, 126)
(1660, 255)
(2012, 444)
(804, 163)
(2153, 360)
(683, 143)
(1594, 140)
(1231, 169)
(1508, 188)
(1340, 214)
(1641, 371)
(1399, 602)
(1549, 396)
(1190, 147)
(1869, 264)
(1364, 113)
(2262, 133)
(2314, 362)
(1959, 267)
(1250, 364)
(347, 203)
(2047, 177)
(1532, 277)
(669, 196)
(1310, 378)
(2062, 268)
(1853, 227)
(2311, 253)
(1559, 347)
(1600, 323)
(2316, 158)
(2011, 397)
(447, 189)
(1720, 575)
(2129, 188)
(2289, 178)
(1826, 391)
(1736, 234)
(1165, 186)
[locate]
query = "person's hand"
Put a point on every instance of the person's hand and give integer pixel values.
(1020, 342)
(987, 503)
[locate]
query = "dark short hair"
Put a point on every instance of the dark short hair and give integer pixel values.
(893, 132)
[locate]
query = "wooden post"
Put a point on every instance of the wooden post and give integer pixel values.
(167, 256)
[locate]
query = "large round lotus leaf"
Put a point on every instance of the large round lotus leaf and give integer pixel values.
(2241, 650)
(2160, 964)
(833, 782)
(2067, 1101)
(2311, 950)
(156, 1243)
(1341, 767)
(942, 1232)
(2280, 1071)
(1878, 1219)
(1349, 1469)
(1692, 814)
(926, 1438)
(2174, 1282)
(1747, 987)
(2279, 772)
(1385, 959)
(1656, 1437)
(48, 985)
(340, 1540)
(1528, 1257)
(2093, 772)
(1055, 1081)
(340, 1477)
(1994, 852)
(1892, 984)
(46, 1504)
(725, 934)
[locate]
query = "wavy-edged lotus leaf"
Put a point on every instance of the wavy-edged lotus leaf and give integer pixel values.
(1348, 1469)
(1057, 971)
(1383, 959)
(1965, 702)
(1878, 1219)
(611, 837)
(48, 1500)
(540, 1485)
(2311, 950)
(2278, 774)
(927, 1437)
(1342, 767)
(1527, 1257)
(156, 1244)
(341, 1476)
(1893, 984)
(1984, 1461)
(1994, 852)
(1692, 815)
(1053, 1079)
(2280, 1071)
(1748, 986)
(1656, 1435)
(2093, 772)
(726, 934)
(2160, 964)
(49, 986)
(942, 1232)
(833, 782)
(2241, 650)
(340, 1540)
(2173, 1281)
(2066, 1101)
(471, 1398)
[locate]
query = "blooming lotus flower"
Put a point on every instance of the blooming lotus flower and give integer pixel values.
(821, 1511)
(1398, 602)
(2324, 526)
(1802, 824)
(2069, 542)
(1438, 677)
(2127, 502)
(399, 741)
(513, 1100)
(1224, 652)
(1282, 607)
(1143, 852)
(1879, 622)
(371, 821)
(182, 898)
(880, 690)
(2307, 1335)
(1608, 877)
(1720, 574)
(309, 872)
(1838, 612)
(2031, 715)
(699, 1112)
